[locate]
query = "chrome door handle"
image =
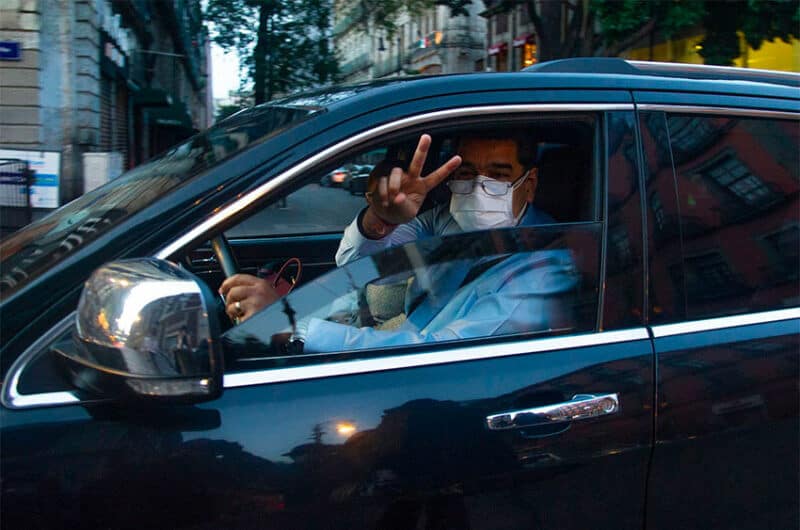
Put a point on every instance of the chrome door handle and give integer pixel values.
(580, 407)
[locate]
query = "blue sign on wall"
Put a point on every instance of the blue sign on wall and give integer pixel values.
(10, 51)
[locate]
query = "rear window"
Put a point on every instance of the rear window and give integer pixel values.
(738, 185)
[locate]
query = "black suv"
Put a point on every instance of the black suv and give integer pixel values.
(665, 394)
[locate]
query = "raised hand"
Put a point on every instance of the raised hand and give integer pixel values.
(397, 197)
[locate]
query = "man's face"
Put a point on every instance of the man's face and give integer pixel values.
(496, 159)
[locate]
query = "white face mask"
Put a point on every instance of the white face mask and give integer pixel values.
(479, 210)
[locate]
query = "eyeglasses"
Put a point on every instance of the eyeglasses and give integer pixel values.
(496, 188)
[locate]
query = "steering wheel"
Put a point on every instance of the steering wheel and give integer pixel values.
(224, 253)
(227, 260)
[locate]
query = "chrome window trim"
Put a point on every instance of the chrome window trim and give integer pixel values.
(456, 355)
(12, 398)
(703, 109)
(713, 324)
(243, 202)
(653, 68)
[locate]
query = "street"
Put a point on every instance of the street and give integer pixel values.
(311, 209)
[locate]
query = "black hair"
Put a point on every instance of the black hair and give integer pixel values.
(527, 147)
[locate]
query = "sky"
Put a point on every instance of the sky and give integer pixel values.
(224, 71)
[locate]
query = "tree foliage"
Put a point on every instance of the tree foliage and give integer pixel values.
(581, 28)
(284, 44)
(226, 110)
(757, 20)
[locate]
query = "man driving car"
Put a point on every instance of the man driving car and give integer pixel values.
(493, 185)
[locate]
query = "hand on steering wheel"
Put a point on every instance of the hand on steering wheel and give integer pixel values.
(244, 294)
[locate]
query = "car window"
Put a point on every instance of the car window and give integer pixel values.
(737, 182)
(525, 281)
(327, 203)
(434, 282)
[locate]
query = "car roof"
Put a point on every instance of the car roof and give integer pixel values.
(577, 74)
(654, 69)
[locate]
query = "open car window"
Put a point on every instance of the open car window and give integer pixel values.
(525, 281)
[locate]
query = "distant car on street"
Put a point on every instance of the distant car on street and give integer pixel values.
(335, 178)
(356, 182)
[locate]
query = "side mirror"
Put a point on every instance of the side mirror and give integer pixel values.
(147, 329)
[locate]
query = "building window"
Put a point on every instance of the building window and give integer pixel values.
(784, 247)
(731, 173)
(523, 15)
(689, 134)
(709, 276)
(502, 23)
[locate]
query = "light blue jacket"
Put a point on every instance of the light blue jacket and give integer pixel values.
(521, 293)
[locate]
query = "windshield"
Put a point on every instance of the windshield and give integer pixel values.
(36, 248)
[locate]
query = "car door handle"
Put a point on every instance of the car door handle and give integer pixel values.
(580, 407)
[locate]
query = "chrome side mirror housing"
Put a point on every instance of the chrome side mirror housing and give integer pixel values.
(147, 329)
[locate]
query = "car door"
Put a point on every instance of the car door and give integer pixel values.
(432, 435)
(723, 207)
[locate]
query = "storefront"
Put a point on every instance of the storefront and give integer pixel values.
(499, 53)
(524, 50)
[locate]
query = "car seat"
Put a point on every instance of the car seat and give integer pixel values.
(565, 188)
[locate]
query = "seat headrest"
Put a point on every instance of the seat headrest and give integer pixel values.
(564, 188)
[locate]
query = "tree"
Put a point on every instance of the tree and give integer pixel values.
(583, 28)
(284, 44)
(226, 110)
(757, 20)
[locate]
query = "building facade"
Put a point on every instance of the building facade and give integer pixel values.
(97, 87)
(510, 37)
(432, 42)
(355, 46)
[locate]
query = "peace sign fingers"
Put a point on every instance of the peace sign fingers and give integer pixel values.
(418, 161)
(435, 177)
(420, 155)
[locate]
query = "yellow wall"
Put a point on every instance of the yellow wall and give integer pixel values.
(775, 55)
